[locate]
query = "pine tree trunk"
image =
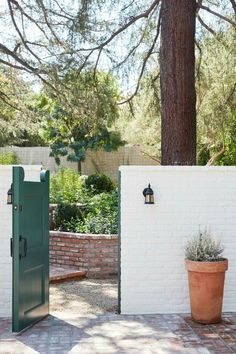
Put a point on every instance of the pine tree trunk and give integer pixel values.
(178, 98)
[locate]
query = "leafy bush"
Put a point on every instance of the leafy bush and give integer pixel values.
(98, 224)
(65, 214)
(100, 217)
(99, 183)
(67, 186)
(9, 158)
(204, 248)
(101, 212)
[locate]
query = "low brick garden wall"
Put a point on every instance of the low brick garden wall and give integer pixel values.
(98, 254)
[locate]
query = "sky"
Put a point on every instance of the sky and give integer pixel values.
(7, 34)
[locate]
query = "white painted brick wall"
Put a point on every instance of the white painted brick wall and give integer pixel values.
(153, 277)
(31, 173)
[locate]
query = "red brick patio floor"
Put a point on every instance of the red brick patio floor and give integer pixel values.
(112, 333)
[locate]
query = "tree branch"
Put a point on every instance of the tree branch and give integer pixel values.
(233, 5)
(44, 10)
(19, 32)
(132, 50)
(206, 26)
(151, 157)
(14, 66)
(149, 53)
(7, 51)
(132, 20)
(200, 58)
(218, 15)
(5, 98)
(29, 17)
(215, 157)
(231, 94)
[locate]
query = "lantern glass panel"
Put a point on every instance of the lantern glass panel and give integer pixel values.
(9, 196)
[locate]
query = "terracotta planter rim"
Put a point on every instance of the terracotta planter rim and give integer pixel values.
(207, 267)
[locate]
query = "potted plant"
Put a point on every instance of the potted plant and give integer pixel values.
(206, 273)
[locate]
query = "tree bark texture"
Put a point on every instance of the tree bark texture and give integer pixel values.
(178, 97)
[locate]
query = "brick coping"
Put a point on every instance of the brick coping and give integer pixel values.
(83, 236)
(62, 274)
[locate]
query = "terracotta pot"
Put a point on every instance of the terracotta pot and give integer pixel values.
(206, 288)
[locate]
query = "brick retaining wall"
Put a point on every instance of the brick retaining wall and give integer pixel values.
(98, 254)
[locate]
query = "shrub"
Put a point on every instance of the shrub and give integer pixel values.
(99, 183)
(100, 216)
(9, 158)
(204, 248)
(101, 212)
(65, 214)
(98, 224)
(103, 203)
(67, 186)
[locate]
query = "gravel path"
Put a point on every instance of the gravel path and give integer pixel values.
(89, 296)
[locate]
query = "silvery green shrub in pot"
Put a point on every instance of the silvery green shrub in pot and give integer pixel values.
(206, 273)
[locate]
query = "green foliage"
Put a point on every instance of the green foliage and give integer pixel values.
(98, 224)
(18, 124)
(140, 121)
(83, 119)
(216, 100)
(100, 213)
(229, 156)
(102, 216)
(99, 183)
(66, 213)
(66, 186)
(9, 158)
(204, 248)
(99, 217)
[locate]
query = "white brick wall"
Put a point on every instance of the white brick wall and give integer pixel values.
(153, 278)
(31, 173)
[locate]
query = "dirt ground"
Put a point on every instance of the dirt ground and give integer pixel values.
(88, 296)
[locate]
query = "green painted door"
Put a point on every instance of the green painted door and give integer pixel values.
(30, 249)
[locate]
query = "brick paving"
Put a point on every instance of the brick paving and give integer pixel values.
(125, 334)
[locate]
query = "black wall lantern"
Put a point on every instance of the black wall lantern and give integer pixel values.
(9, 195)
(148, 195)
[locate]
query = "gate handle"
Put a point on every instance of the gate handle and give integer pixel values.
(25, 246)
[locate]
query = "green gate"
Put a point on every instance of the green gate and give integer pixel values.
(30, 249)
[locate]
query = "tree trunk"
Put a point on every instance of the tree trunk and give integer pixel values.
(79, 167)
(178, 98)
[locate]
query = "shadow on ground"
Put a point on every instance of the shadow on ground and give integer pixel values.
(109, 333)
(83, 321)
